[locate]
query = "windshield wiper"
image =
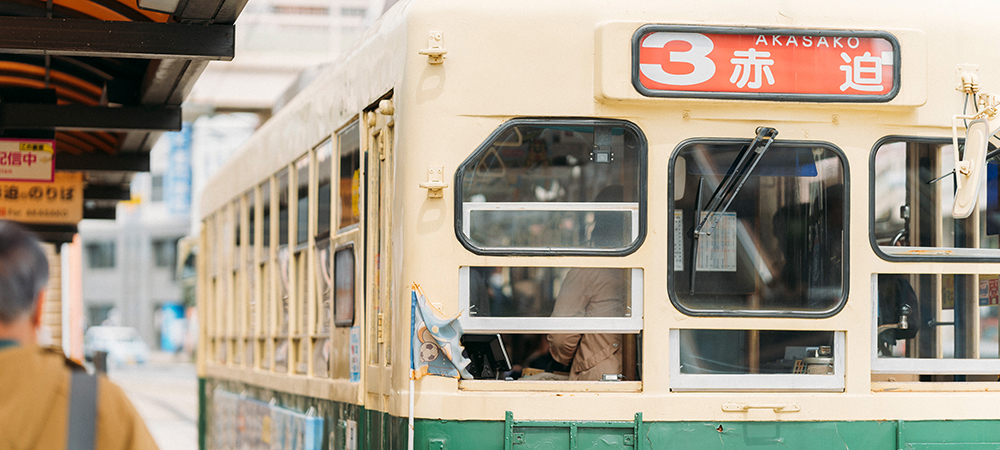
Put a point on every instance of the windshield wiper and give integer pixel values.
(731, 184)
(738, 173)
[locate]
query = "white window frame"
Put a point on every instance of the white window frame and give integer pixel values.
(923, 366)
(624, 325)
(631, 207)
(757, 382)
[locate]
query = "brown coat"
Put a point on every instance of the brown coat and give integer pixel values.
(590, 292)
(34, 396)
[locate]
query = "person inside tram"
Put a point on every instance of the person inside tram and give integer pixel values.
(594, 292)
(36, 382)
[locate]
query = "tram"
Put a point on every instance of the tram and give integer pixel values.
(524, 225)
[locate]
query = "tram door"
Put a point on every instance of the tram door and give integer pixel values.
(379, 286)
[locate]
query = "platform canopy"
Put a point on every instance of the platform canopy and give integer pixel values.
(104, 79)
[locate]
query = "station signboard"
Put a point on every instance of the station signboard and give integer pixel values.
(765, 64)
(27, 160)
(59, 202)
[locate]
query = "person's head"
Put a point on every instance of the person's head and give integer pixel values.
(24, 272)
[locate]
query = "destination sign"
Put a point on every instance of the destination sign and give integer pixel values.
(812, 65)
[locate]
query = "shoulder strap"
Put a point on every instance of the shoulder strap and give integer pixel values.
(80, 434)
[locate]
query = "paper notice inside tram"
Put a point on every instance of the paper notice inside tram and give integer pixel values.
(717, 252)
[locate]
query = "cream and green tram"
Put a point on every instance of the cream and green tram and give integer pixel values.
(649, 225)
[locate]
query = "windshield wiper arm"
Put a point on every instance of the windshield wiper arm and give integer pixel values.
(738, 173)
(731, 184)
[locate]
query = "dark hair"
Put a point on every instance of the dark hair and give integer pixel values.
(24, 271)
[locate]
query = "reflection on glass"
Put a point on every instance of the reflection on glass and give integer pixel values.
(324, 286)
(934, 316)
(321, 358)
(550, 291)
(547, 185)
(324, 169)
(344, 286)
(281, 356)
(265, 197)
(756, 352)
(302, 211)
(349, 151)
(909, 211)
(284, 290)
(283, 207)
(778, 248)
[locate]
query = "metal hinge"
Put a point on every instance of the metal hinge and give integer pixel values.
(381, 335)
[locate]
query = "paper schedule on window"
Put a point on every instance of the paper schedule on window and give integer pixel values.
(717, 252)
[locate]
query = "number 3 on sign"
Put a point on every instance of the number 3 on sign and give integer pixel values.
(697, 56)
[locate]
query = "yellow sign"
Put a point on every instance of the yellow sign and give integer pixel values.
(57, 203)
(27, 160)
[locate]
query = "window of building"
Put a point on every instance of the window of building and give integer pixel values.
(349, 151)
(101, 255)
(156, 188)
(912, 201)
(774, 245)
(165, 252)
(554, 186)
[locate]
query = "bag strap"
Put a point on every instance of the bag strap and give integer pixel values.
(80, 434)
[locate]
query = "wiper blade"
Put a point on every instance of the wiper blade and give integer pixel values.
(731, 184)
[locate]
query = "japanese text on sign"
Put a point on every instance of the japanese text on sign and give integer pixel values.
(56, 202)
(822, 66)
(22, 160)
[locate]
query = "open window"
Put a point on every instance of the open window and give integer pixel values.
(554, 186)
(912, 200)
(935, 327)
(594, 311)
(778, 249)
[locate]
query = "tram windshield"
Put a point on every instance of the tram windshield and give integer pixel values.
(779, 247)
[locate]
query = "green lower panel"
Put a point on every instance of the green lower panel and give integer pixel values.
(869, 435)
(379, 431)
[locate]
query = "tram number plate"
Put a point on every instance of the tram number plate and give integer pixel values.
(765, 64)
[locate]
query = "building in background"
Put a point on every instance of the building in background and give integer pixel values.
(131, 275)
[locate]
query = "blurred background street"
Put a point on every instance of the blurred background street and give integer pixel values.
(165, 392)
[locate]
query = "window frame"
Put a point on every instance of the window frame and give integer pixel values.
(962, 255)
(846, 275)
(553, 324)
(483, 147)
(778, 382)
(923, 366)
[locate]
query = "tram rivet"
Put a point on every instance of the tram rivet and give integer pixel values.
(686, 114)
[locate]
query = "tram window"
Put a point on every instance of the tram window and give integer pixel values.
(349, 151)
(540, 186)
(302, 197)
(551, 299)
(756, 359)
(778, 249)
(324, 169)
(250, 271)
(936, 324)
(265, 222)
(911, 213)
(344, 287)
(283, 207)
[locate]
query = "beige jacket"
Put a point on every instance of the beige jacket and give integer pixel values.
(590, 292)
(34, 397)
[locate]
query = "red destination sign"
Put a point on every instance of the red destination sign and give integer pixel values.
(765, 64)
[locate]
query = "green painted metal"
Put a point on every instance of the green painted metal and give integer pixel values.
(202, 416)
(380, 431)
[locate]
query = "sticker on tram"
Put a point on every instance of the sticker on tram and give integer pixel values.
(763, 64)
